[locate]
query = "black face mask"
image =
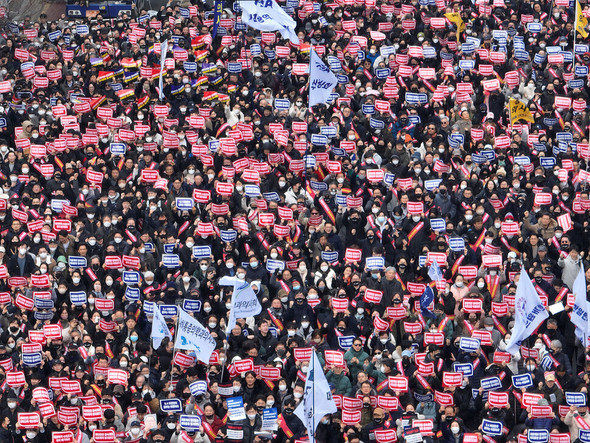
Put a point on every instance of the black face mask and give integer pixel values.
(378, 421)
(289, 411)
(538, 279)
(186, 395)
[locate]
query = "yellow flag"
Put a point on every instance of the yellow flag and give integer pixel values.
(455, 17)
(581, 21)
(519, 111)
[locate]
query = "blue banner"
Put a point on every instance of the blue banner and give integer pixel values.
(201, 251)
(218, 8)
(522, 381)
(78, 297)
(131, 277)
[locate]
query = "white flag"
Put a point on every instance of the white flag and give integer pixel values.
(244, 303)
(159, 328)
(191, 335)
(581, 309)
(164, 49)
(267, 15)
(529, 312)
(317, 398)
(321, 80)
(434, 271)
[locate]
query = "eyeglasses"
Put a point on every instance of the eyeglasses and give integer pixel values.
(356, 344)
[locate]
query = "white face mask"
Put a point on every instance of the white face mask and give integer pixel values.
(207, 309)
(22, 251)
(12, 404)
(186, 279)
(459, 284)
(75, 280)
(481, 285)
(118, 240)
(455, 429)
(270, 403)
(212, 325)
(274, 255)
(305, 324)
(298, 395)
(123, 363)
(31, 435)
(489, 328)
(251, 416)
(282, 388)
(416, 218)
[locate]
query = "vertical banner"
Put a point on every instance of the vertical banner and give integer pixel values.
(217, 17)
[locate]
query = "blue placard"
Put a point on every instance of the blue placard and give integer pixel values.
(369, 109)
(184, 204)
(342, 79)
(118, 148)
(252, 190)
(548, 162)
(148, 307)
(149, 247)
(564, 136)
(422, 260)
(465, 368)
(429, 52)
(416, 99)
(575, 399)
(576, 83)
(131, 277)
(388, 178)
(41, 303)
(171, 405)
(234, 68)
(132, 293)
(376, 123)
(228, 235)
(77, 262)
(581, 49)
(539, 59)
(191, 67)
(198, 387)
(213, 145)
(235, 405)
(346, 342)
(568, 56)
(3, 122)
(491, 427)
(318, 186)
(386, 50)
(255, 49)
(522, 381)
(584, 435)
(82, 29)
(319, 140)
(375, 263)
(192, 305)
(54, 35)
(33, 359)
(43, 315)
(521, 55)
(537, 435)
(78, 297)
(534, 27)
(192, 422)
(328, 131)
(310, 160)
(522, 160)
(271, 197)
(341, 200)
(457, 243)
(201, 251)
(329, 256)
(171, 260)
(282, 103)
(424, 397)
(169, 248)
(489, 155)
(273, 265)
(467, 65)
(491, 383)
(431, 185)
(469, 344)
(168, 311)
(382, 73)
(438, 224)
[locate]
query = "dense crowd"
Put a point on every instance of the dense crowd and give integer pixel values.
(128, 186)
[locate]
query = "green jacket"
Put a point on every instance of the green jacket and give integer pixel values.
(355, 368)
(341, 383)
